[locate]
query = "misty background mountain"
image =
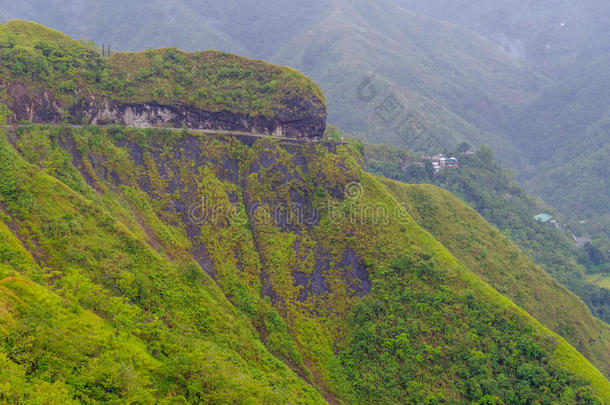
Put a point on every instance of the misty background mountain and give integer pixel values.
(529, 79)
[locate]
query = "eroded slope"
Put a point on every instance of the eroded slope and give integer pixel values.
(260, 260)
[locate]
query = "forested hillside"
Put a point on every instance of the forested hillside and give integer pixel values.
(103, 221)
(521, 76)
(167, 265)
(566, 135)
(548, 36)
(493, 192)
(502, 264)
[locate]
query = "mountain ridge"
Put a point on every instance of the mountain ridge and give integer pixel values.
(215, 268)
(208, 242)
(520, 51)
(51, 78)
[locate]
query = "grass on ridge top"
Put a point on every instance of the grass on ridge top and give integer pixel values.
(215, 81)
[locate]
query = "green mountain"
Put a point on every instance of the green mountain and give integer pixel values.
(159, 265)
(494, 193)
(223, 303)
(566, 132)
(547, 36)
(454, 83)
(443, 72)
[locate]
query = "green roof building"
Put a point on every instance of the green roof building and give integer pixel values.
(543, 217)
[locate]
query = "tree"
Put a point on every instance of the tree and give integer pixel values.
(463, 147)
(429, 168)
(486, 156)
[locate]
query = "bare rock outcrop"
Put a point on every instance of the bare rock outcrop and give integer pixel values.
(298, 119)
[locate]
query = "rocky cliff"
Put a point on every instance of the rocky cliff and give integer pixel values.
(50, 78)
(40, 106)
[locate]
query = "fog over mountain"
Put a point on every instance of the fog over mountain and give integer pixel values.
(548, 36)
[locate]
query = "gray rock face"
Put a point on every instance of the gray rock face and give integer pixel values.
(298, 119)
(38, 106)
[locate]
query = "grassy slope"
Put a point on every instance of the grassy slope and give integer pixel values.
(120, 234)
(498, 261)
(58, 353)
(214, 81)
(92, 250)
(484, 185)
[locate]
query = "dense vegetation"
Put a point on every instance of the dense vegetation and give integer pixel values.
(109, 318)
(498, 261)
(535, 87)
(492, 191)
(500, 370)
(354, 305)
(213, 81)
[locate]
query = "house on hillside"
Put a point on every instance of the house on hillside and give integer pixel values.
(441, 161)
(544, 218)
